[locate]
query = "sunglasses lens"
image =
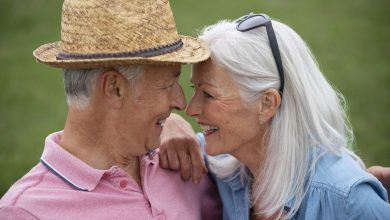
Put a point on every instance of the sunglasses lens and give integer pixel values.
(252, 22)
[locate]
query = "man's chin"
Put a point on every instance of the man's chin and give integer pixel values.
(152, 147)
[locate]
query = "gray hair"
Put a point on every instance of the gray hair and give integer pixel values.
(80, 83)
(312, 117)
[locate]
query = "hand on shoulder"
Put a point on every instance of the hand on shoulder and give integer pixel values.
(180, 149)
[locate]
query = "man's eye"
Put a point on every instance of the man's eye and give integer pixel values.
(169, 86)
(207, 95)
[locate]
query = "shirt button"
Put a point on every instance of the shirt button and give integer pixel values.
(151, 154)
(123, 184)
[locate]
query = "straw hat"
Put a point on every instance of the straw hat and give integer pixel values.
(103, 33)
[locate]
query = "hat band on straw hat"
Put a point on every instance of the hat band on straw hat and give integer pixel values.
(149, 52)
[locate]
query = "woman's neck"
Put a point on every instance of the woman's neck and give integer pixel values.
(252, 156)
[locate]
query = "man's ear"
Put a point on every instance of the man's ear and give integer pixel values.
(114, 87)
(269, 103)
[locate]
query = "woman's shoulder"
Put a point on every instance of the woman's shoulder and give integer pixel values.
(341, 189)
(340, 174)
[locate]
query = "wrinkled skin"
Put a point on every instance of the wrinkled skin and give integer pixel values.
(180, 151)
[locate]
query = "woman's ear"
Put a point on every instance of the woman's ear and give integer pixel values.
(113, 86)
(269, 104)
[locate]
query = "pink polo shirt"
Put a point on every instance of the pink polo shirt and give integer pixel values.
(63, 187)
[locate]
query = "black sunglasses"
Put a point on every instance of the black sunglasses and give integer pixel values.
(252, 21)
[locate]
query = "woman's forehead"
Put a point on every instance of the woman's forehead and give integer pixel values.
(208, 70)
(202, 69)
(213, 75)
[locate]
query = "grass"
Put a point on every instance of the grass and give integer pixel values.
(349, 38)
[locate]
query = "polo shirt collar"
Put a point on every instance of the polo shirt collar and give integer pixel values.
(69, 168)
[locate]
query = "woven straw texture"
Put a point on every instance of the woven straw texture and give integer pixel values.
(103, 33)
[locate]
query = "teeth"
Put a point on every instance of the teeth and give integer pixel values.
(161, 122)
(209, 128)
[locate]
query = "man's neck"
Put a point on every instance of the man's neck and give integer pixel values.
(91, 142)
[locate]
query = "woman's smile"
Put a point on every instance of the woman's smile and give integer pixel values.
(208, 129)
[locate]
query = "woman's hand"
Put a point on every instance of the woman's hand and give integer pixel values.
(180, 149)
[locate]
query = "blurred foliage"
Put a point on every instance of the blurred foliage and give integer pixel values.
(350, 39)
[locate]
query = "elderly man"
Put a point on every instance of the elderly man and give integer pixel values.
(121, 63)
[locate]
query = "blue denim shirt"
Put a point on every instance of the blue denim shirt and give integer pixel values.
(340, 189)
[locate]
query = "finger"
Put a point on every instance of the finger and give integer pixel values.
(376, 171)
(198, 165)
(205, 170)
(173, 159)
(185, 165)
(375, 168)
(382, 173)
(163, 159)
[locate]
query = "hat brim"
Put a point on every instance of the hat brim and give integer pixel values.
(193, 51)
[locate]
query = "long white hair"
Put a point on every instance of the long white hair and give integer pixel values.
(311, 118)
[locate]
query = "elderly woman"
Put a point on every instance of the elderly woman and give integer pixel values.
(276, 132)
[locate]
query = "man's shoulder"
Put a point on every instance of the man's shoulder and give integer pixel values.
(172, 181)
(27, 184)
(15, 212)
(167, 187)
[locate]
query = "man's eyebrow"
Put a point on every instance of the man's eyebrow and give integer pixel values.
(176, 75)
(208, 84)
(203, 83)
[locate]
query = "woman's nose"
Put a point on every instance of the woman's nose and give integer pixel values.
(193, 107)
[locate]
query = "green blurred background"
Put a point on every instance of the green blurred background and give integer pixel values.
(350, 39)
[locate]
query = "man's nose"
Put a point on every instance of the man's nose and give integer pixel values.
(178, 100)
